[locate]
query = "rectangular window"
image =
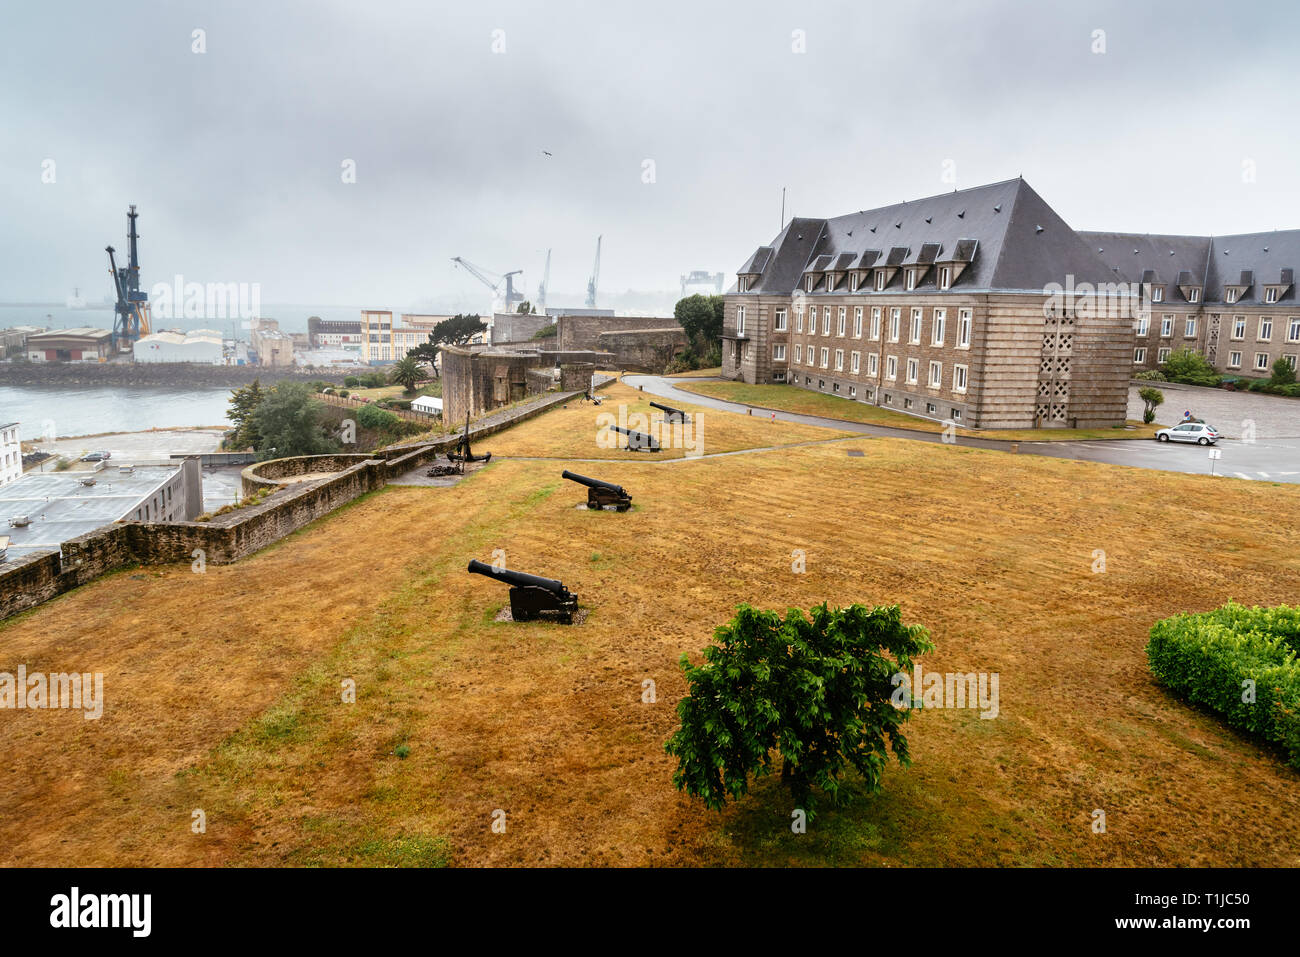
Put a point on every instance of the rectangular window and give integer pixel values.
(914, 328)
(778, 352)
(855, 362)
(1270, 294)
(1234, 360)
(930, 408)
(857, 322)
(798, 319)
(1167, 326)
(853, 282)
(826, 320)
(936, 374)
(1291, 361)
(853, 392)
(1293, 329)
(959, 378)
(873, 363)
(963, 328)
(945, 277)
(1239, 327)
(891, 367)
(839, 360)
(1230, 296)
(880, 280)
(937, 327)
(1261, 362)
(740, 320)
(1265, 329)
(798, 353)
(907, 403)
(1139, 355)
(1189, 328)
(875, 322)
(826, 357)
(1157, 293)
(807, 283)
(1143, 325)
(913, 366)
(1163, 354)
(911, 279)
(839, 326)
(779, 324)
(956, 415)
(1193, 295)
(895, 320)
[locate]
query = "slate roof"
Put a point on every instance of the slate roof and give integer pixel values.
(1254, 259)
(1017, 240)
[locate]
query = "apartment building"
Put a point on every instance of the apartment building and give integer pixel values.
(981, 307)
(383, 340)
(1231, 298)
(11, 453)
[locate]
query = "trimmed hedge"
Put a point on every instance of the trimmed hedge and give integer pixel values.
(1205, 658)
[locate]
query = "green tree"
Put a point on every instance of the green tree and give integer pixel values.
(1151, 398)
(816, 691)
(289, 420)
(1189, 367)
(244, 401)
(701, 318)
(547, 332)
(1283, 373)
(406, 373)
(457, 331)
(524, 308)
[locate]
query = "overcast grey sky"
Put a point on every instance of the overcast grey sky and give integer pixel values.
(234, 155)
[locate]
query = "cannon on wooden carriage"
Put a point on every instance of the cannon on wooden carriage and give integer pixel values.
(531, 596)
(638, 441)
(671, 414)
(601, 494)
(462, 452)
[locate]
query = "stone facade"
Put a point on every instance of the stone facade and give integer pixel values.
(512, 327)
(583, 332)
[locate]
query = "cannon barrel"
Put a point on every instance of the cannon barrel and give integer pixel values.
(667, 408)
(517, 579)
(619, 428)
(592, 483)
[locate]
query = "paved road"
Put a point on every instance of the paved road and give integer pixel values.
(1276, 460)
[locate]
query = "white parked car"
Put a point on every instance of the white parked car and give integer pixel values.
(1202, 433)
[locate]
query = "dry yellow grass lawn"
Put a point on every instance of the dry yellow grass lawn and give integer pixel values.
(223, 689)
(579, 430)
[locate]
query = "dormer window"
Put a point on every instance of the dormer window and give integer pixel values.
(911, 279)
(853, 282)
(807, 283)
(880, 280)
(1157, 294)
(945, 277)
(1194, 294)
(1270, 294)
(1230, 296)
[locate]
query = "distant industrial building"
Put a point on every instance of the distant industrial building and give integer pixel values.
(200, 345)
(85, 344)
(558, 311)
(509, 327)
(273, 347)
(335, 358)
(334, 334)
(11, 454)
(13, 341)
(45, 509)
(383, 340)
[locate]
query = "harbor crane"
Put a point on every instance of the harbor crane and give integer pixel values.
(131, 313)
(546, 281)
(594, 281)
(485, 276)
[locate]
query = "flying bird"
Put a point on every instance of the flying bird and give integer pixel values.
(544, 151)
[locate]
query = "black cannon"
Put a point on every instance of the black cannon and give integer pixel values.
(671, 414)
(532, 597)
(638, 441)
(601, 494)
(462, 452)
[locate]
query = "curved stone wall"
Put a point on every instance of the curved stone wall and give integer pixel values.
(275, 473)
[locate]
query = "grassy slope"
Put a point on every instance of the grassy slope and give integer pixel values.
(223, 689)
(804, 402)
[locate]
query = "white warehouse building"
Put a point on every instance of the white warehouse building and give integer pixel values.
(200, 345)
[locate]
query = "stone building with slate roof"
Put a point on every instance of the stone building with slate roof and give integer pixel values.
(1231, 298)
(950, 308)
